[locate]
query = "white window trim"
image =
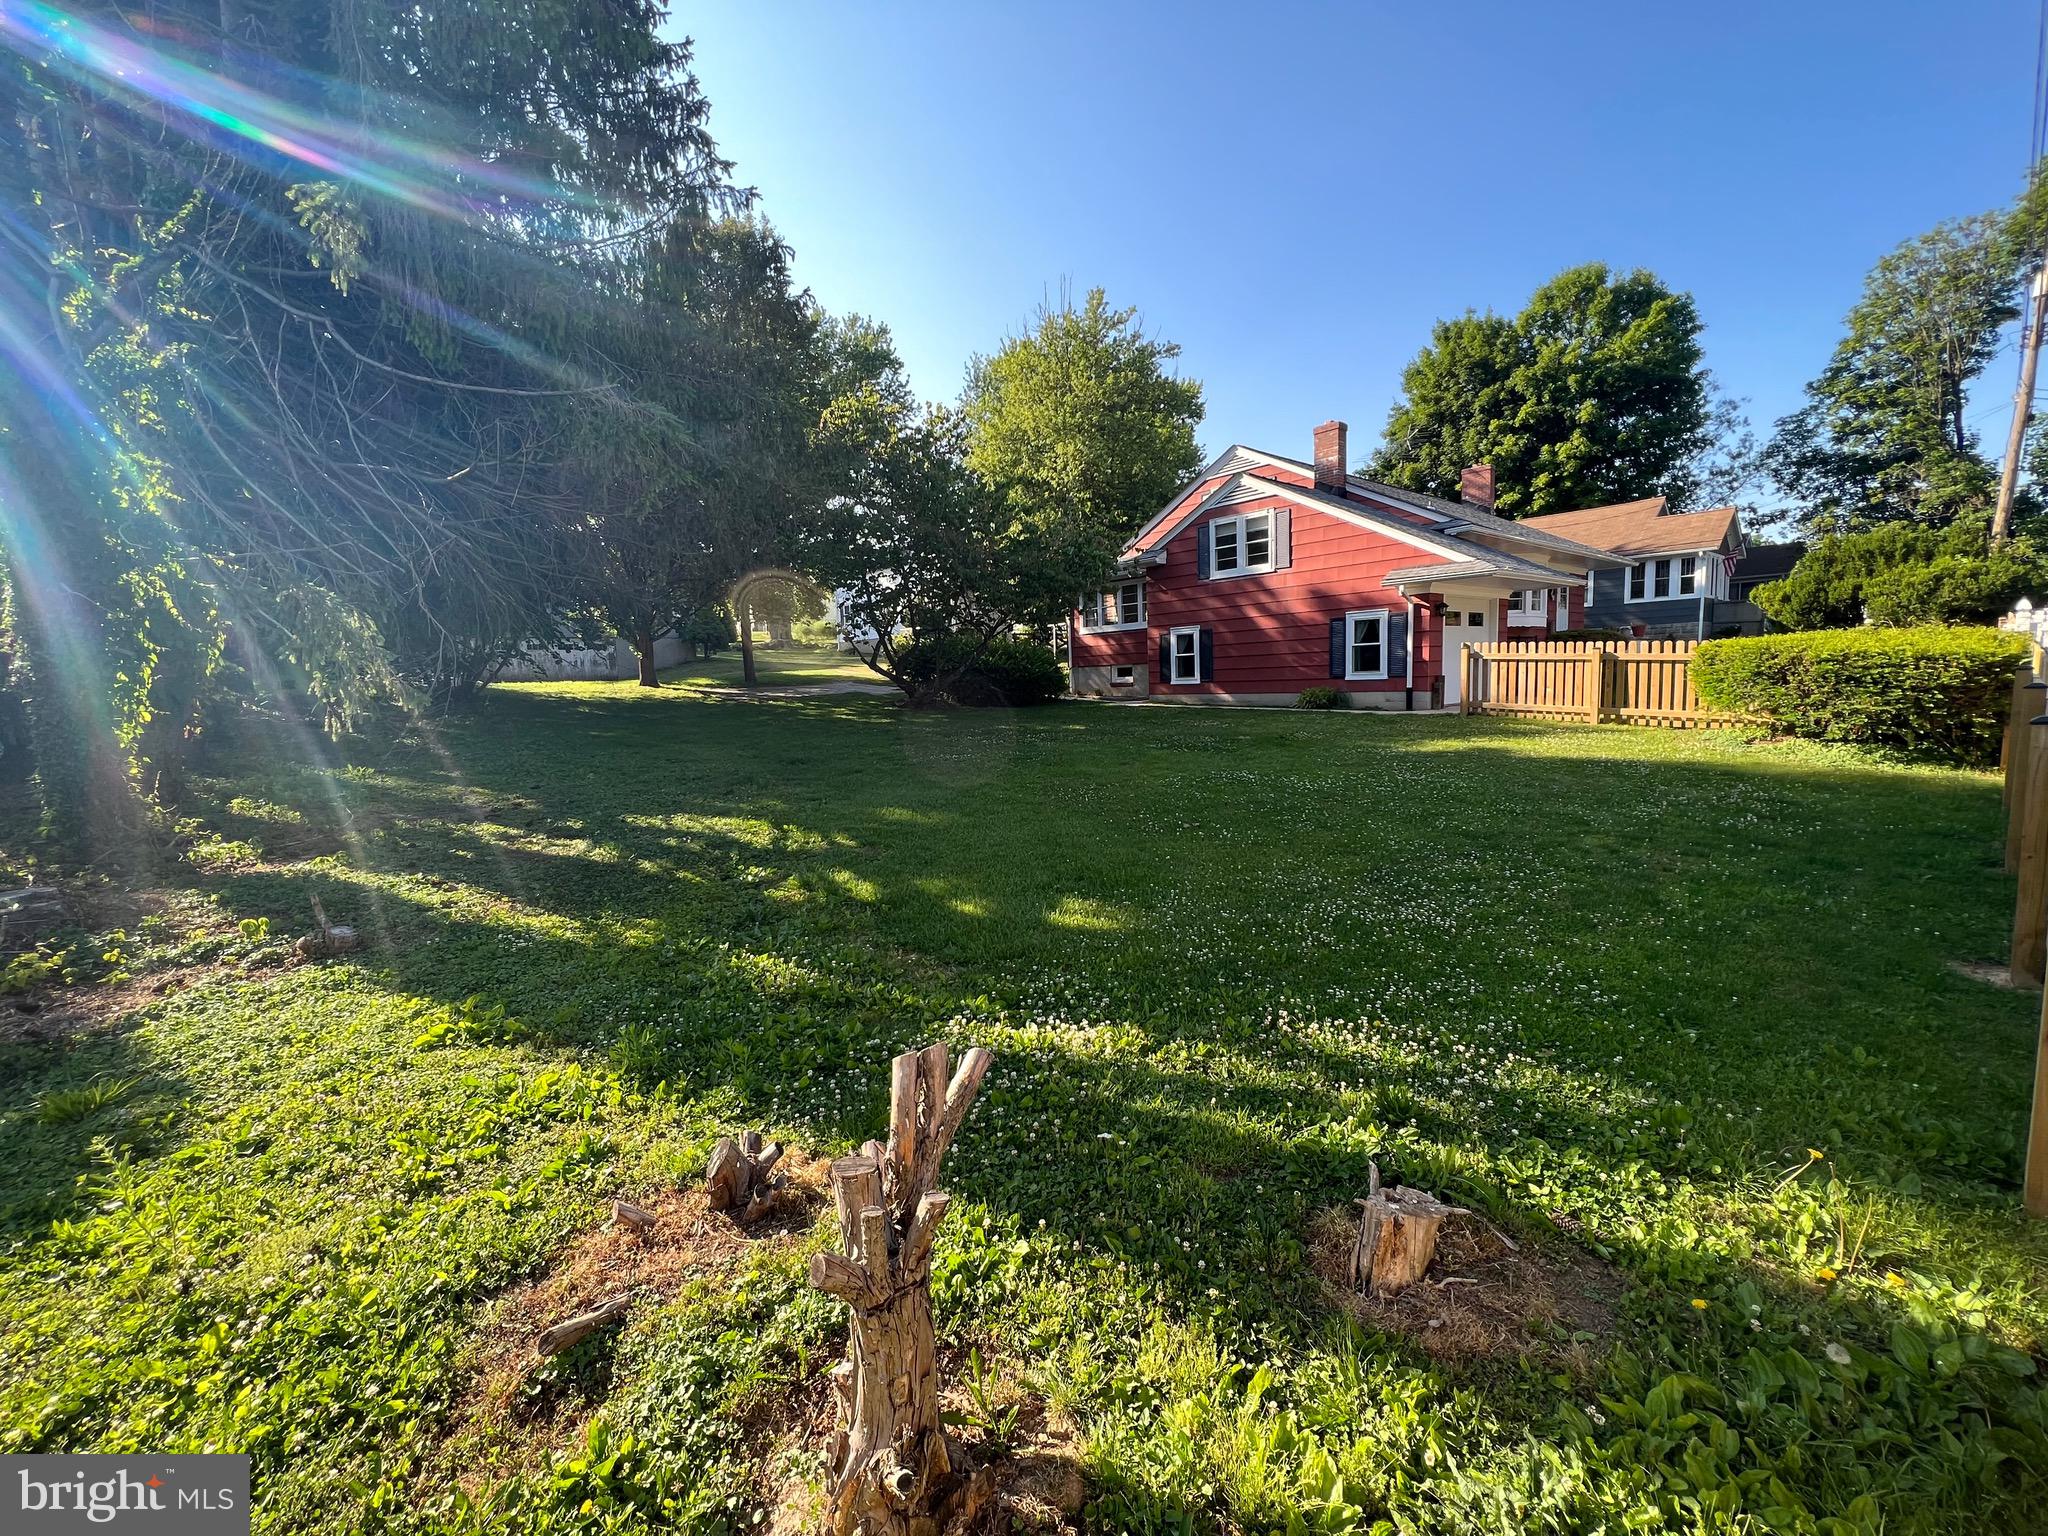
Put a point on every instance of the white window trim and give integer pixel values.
(1242, 568)
(1350, 620)
(1650, 583)
(1173, 677)
(1110, 629)
(1530, 613)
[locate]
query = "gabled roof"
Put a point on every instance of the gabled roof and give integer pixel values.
(1767, 562)
(1446, 522)
(1240, 485)
(1643, 527)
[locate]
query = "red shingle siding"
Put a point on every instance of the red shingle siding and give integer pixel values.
(1272, 631)
(1114, 647)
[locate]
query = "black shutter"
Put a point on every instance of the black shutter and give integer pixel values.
(1397, 645)
(1337, 647)
(1165, 660)
(1208, 648)
(1202, 550)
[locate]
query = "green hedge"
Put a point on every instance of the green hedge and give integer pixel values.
(1937, 691)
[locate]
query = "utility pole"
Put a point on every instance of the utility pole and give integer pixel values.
(2022, 405)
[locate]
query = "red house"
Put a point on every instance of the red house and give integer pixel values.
(1265, 576)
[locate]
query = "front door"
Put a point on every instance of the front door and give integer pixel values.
(1467, 621)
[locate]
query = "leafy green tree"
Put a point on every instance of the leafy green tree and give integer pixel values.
(1884, 435)
(684, 491)
(295, 299)
(1902, 574)
(781, 603)
(923, 549)
(1596, 392)
(708, 630)
(1082, 426)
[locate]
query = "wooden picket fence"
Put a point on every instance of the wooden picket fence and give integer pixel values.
(1634, 682)
(2026, 855)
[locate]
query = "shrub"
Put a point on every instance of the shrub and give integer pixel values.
(1940, 692)
(1903, 575)
(1008, 672)
(1322, 698)
(1591, 634)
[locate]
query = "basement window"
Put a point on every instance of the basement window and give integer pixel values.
(1123, 677)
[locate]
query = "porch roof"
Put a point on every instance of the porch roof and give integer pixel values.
(1495, 564)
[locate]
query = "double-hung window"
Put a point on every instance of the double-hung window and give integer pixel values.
(1185, 657)
(1118, 607)
(1670, 576)
(1242, 545)
(1365, 645)
(1531, 602)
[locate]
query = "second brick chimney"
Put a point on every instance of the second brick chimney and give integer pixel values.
(1330, 457)
(1475, 485)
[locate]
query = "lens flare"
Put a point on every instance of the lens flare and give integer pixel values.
(265, 126)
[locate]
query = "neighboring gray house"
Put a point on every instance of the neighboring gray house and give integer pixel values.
(1679, 582)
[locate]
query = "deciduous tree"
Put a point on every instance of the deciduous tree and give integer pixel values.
(1596, 392)
(1084, 429)
(1884, 435)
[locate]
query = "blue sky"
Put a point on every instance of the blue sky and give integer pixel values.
(1294, 193)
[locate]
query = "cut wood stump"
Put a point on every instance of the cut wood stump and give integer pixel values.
(741, 1177)
(1397, 1233)
(628, 1215)
(327, 938)
(891, 1469)
(574, 1330)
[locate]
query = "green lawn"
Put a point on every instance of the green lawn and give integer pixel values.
(1607, 987)
(773, 668)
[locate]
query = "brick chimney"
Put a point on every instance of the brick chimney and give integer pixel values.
(1331, 467)
(1475, 485)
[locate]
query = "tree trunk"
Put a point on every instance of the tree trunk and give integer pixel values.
(891, 1471)
(746, 617)
(643, 647)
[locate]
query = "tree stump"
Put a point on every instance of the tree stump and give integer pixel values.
(741, 1176)
(327, 939)
(1397, 1233)
(891, 1471)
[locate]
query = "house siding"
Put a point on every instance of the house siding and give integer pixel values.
(1663, 618)
(1271, 630)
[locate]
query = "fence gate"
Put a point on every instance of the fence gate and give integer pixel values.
(1635, 682)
